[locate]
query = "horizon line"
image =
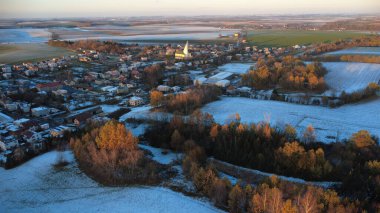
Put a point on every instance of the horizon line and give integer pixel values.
(195, 16)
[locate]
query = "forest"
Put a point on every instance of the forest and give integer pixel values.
(186, 102)
(355, 162)
(288, 73)
(109, 154)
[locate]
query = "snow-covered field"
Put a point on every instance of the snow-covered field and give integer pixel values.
(236, 68)
(357, 51)
(350, 77)
(36, 187)
(340, 122)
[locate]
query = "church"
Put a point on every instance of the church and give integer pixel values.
(184, 54)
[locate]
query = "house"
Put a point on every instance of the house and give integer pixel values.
(200, 81)
(109, 89)
(176, 88)
(31, 125)
(163, 88)
(262, 94)
(59, 131)
(32, 136)
(9, 143)
(223, 83)
(82, 118)
(122, 90)
(135, 101)
(40, 111)
(48, 87)
(25, 107)
(10, 106)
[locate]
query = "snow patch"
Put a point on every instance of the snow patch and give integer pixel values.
(159, 156)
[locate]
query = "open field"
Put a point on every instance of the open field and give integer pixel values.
(350, 77)
(371, 51)
(13, 53)
(278, 38)
(36, 186)
(339, 122)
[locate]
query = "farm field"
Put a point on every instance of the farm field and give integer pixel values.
(13, 53)
(350, 76)
(36, 186)
(276, 38)
(329, 123)
(357, 51)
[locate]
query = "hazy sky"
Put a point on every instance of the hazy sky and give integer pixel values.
(101, 8)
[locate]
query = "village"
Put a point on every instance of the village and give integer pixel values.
(42, 101)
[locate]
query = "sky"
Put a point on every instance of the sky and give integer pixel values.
(114, 8)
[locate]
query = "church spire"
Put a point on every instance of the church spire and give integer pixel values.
(186, 49)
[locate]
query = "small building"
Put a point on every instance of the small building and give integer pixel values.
(200, 81)
(59, 131)
(40, 111)
(135, 101)
(32, 137)
(223, 83)
(82, 118)
(48, 87)
(163, 88)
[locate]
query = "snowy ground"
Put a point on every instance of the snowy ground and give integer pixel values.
(109, 108)
(357, 51)
(236, 68)
(350, 77)
(36, 187)
(159, 156)
(137, 129)
(340, 122)
(144, 113)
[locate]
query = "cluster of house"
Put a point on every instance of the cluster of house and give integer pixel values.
(72, 90)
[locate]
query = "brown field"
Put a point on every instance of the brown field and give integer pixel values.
(16, 53)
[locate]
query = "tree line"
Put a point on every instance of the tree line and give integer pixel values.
(99, 46)
(365, 41)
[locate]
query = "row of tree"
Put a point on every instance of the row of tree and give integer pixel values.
(366, 41)
(361, 58)
(368, 92)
